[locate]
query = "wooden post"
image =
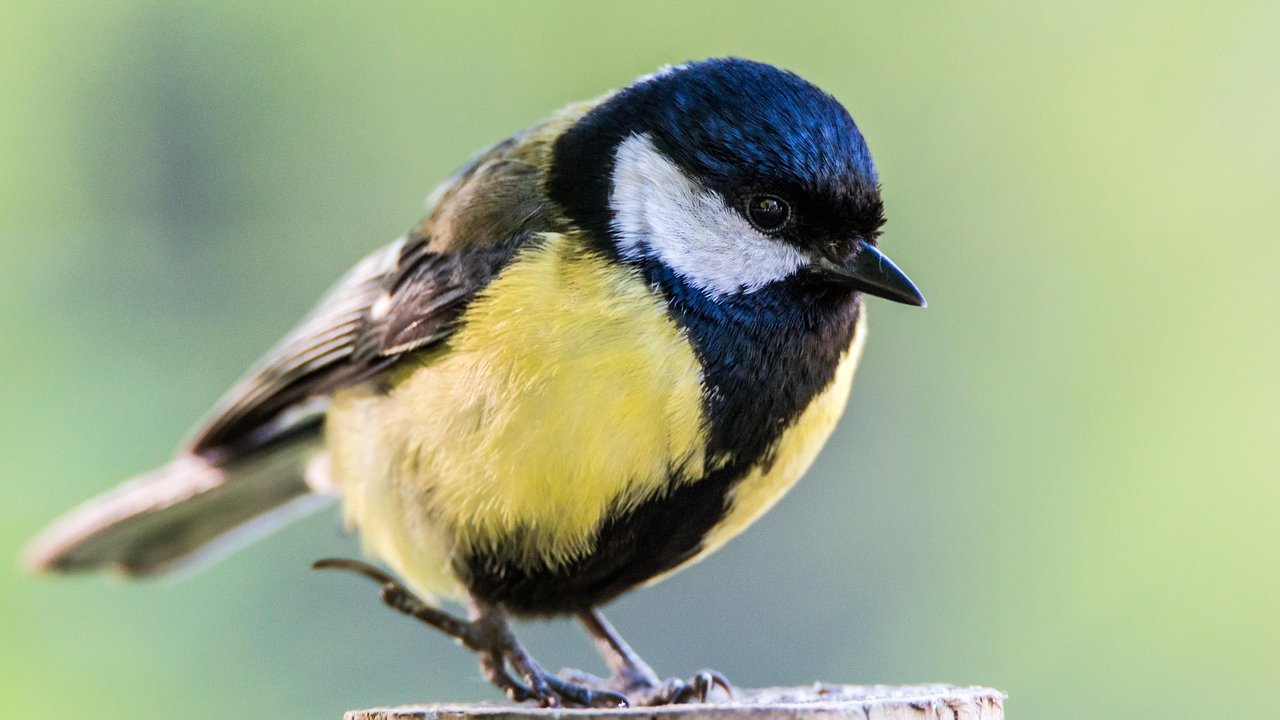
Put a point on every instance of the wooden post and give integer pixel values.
(814, 702)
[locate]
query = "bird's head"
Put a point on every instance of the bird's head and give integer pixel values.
(735, 176)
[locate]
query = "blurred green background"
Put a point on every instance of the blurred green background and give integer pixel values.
(1059, 480)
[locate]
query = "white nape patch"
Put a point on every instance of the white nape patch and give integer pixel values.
(659, 211)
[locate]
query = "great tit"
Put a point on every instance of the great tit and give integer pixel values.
(616, 339)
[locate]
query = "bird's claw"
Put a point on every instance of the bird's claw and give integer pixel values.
(573, 694)
(696, 689)
(631, 691)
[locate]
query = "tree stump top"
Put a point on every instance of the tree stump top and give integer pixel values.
(819, 701)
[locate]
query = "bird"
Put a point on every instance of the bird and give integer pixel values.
(616, 339)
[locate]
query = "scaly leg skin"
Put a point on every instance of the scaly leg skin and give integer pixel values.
(487, 634)
(632, 676)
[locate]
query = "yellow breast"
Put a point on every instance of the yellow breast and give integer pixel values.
(567, 394)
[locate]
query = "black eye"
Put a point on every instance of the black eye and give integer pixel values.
(769, 213)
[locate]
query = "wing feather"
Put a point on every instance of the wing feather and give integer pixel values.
(325, 337)
(400, 299)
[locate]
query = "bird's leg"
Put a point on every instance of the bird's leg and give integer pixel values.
(632, 676)
(487, 634)
(627, 670)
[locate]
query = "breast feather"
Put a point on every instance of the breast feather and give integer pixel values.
(567, 395)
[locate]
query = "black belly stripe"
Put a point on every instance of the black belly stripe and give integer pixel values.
(656, 536)
(765, 359)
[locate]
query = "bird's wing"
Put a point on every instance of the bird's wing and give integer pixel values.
(405, 297)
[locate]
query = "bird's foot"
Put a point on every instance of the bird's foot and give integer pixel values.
(499, 650)
(675, 691)
(630, 675)
(647, 691)
(488, 635)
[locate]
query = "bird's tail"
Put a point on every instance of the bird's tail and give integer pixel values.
(193, 509)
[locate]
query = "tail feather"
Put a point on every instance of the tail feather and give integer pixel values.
(192, 509)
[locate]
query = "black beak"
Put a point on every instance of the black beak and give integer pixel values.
(870, 271)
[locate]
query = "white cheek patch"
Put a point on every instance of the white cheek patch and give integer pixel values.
(658, 211)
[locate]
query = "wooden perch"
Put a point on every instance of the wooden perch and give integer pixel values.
(815, 702)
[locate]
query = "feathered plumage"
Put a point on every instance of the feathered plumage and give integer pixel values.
(615, 340)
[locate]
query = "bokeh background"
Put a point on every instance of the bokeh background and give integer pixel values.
(1059, 480)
